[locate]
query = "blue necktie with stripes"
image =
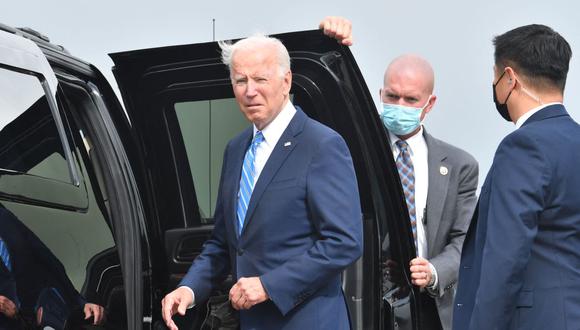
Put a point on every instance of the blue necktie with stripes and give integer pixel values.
(5, 255)
(247, 180)
(407, 175)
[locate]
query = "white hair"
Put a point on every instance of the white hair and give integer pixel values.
(256, 41)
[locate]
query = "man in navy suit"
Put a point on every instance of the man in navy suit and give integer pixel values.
(288, 217)
(520, 267)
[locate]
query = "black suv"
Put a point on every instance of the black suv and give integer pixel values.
(124, 200)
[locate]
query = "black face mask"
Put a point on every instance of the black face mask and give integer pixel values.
(502, 109)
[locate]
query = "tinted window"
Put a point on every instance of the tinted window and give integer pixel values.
(62, 257)
(206, 128)
(29, 140)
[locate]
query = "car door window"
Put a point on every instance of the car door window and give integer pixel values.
(29, 139)
(206, 127)
(57, 229)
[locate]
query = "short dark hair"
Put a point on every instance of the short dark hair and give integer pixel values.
(537, 52)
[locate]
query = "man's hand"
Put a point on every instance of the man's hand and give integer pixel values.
(247, 293)
(339, 28)
(96, 311)
(7, 307)
(420, 272)
(176, 301)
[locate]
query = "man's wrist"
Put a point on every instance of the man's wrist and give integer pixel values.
(192, 296)
(434, 280)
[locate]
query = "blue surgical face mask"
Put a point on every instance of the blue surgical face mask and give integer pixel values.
(400, 119)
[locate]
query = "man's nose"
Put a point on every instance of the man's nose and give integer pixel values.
(251, 90)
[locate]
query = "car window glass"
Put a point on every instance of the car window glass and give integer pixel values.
(206, 127)
(29, 140)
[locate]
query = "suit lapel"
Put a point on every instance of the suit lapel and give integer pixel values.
(286, 144)
(439, 173)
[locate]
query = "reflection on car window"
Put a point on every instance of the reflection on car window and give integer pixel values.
(34, 281)
(29, 140)
(206, 128)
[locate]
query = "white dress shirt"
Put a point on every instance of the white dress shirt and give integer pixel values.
(272, 134)
(418, 151)
(530, 113)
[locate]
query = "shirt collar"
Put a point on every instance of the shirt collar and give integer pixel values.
(413, 141)
(531, 112)
(276, 127)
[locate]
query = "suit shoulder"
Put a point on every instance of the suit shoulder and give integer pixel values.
(319, 131)
(454, 154)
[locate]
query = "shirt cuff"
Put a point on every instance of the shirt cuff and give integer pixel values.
(192, 296)
(434, 279)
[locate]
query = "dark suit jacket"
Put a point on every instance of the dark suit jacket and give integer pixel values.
(451, 200)
(34, 267)
(302, 228)
(520, 267)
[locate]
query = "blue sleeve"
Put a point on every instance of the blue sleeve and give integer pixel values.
(333, 202)
(212, 266)
(520, 176)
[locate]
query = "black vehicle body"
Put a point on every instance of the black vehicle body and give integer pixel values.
(154, 194)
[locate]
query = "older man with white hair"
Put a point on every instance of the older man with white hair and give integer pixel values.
(288, 217)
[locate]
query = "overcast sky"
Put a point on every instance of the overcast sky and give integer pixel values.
(455, 36)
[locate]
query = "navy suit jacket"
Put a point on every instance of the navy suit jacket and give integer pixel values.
(303, 227)
(520, 267)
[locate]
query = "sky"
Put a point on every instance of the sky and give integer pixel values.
(455, 36)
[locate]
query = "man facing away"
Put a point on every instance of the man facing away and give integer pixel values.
(520, 267)
(288, 217)
(438, 179)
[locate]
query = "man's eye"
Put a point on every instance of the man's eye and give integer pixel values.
(241, 81)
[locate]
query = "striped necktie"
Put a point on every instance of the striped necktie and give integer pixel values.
(247, 180)
(5, 255)
(407, 175)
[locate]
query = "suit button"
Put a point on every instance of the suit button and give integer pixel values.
(240, 252)
(459, 305)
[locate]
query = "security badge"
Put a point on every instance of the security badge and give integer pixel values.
(443, 170)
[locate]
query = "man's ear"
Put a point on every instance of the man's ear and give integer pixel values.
(287, 82)
(511, 75)
(429, 106)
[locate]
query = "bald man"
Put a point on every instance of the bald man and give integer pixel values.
(439, 180)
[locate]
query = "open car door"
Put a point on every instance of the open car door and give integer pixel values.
(183, 112)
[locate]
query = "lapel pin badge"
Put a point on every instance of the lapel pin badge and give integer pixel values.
(287, 144)
(443, 170)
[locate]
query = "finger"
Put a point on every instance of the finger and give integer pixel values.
(333, 26)
(98, 315)
(235, 291)
(87, 311)
(168, 307)
(339, 31)
(167, 314)
(247, 305)
(182, 306)
(415, 269)
(347, 41)
(348, 31)
(322, 24)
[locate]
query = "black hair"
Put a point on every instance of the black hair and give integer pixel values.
(537, 52)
